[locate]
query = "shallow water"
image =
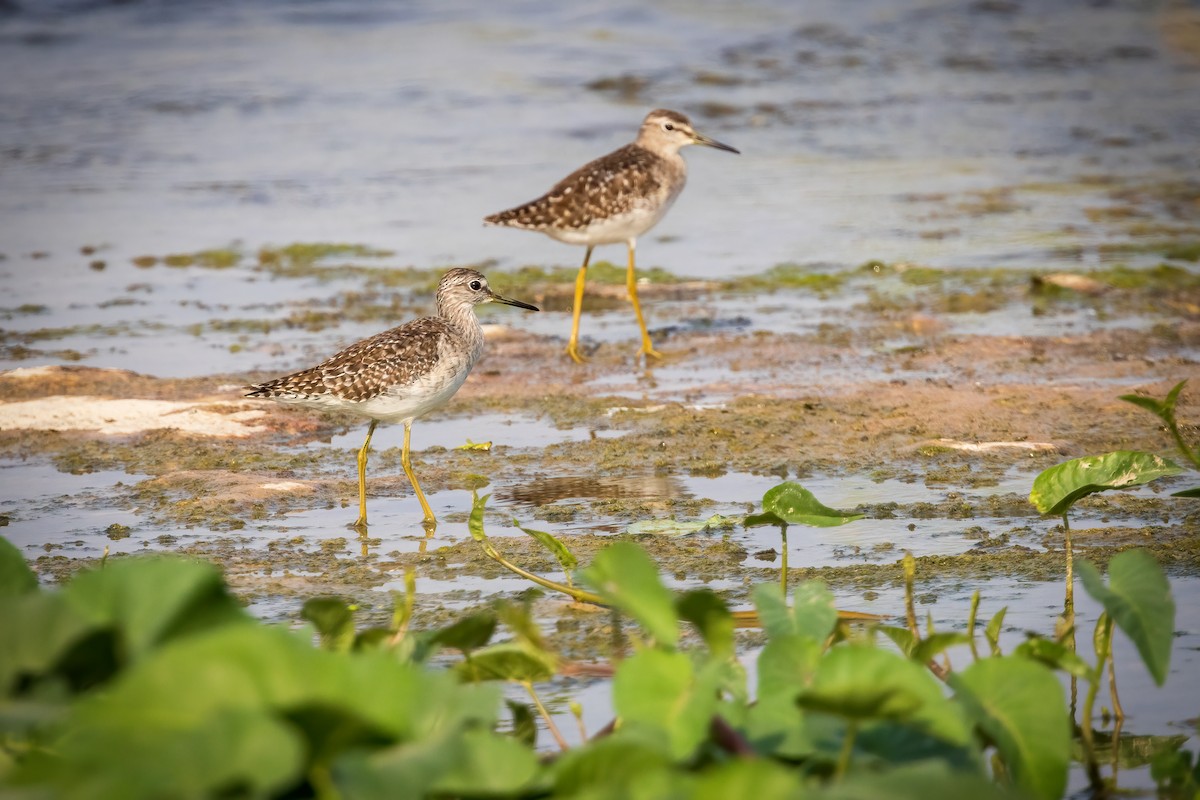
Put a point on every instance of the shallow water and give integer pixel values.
(942, 133)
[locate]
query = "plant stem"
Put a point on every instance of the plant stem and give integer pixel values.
(1102, 639)
(554, 731)
(783, 569)
(843, 762)
(971, 624)
(1182, 445)
(580, 595)
(1069, 605)
(910, 610)
(1118, 712)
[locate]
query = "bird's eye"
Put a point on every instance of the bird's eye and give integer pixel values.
(668, 126)
(475, 286)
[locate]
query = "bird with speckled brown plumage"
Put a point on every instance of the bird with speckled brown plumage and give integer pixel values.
(400, 374)
(615, 198)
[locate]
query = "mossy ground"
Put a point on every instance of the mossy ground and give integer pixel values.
(883, 390)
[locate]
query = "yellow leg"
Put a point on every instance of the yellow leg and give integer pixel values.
(406, 462)
(631, 287)
(361, 523)
(573, 343)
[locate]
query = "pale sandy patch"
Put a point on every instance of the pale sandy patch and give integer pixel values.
(114, 416)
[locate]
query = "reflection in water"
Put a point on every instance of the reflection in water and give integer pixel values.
(543, 491)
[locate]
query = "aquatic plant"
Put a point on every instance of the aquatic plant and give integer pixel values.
(145, 678)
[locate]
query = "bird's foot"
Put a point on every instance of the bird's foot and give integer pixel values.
(573, 352)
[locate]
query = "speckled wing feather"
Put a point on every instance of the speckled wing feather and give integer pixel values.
(608, 186)
(366, 369)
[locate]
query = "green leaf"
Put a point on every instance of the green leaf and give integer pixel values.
(1056, 489)
(1164, 410)
(151, 599)
(626, 578)
(812, 613)
(475, 521)
(901, 637)
(791, 503)
(614, 763)
(39, 633)
(773, 611)
(1019, 705)
(1054, 655)
(235, 747)
(860, 682)
(935, 644)
(928, 780)
(785, 665)
(758, 778)
(1138, 598)
(469, 633)
(565, 557)
(662, 692)
(488, 764)
(510, 661)
(708, 613)
(524, 723)
(15, 576)
(1187, 493)
(992, 631)
(517, 616)
(334, 621)
(813, 610)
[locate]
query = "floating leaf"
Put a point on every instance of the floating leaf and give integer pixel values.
(673, 527)
(791, 503)
(1056, 489)
(333, 620)
(626, 578)
(1138, 598)
(480, 447)
(1020, 707)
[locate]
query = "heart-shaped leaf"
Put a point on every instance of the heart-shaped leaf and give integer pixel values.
(1057, 489)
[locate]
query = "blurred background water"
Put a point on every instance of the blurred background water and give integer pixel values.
(948, 133)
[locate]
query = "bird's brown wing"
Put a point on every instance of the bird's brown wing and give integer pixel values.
(368, 368)
(608, 186)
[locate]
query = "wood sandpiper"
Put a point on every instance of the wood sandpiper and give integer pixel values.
(615, 198)
(400, 374)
